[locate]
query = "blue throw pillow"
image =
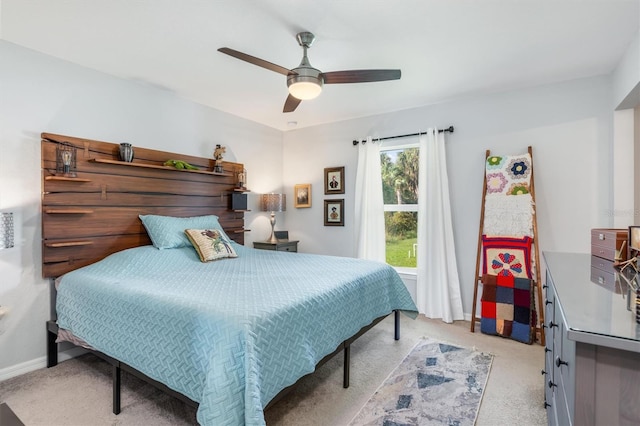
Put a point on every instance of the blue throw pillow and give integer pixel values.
(167, 232)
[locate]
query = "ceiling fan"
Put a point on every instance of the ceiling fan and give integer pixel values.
(305, 82)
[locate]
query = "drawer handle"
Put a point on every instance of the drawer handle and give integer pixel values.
(552, 324)
(546, 405)
(600, 280)
(545, 286)
(601, 237)
(546, 350)
(543, 372)
(552, 385)
(560, 362)
(548, 302)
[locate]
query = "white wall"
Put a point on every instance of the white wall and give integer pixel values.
(568, 125)
(624, 157)
(41, 94)
(626, 77)
(625, 81)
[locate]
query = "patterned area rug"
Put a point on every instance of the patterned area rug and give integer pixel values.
(435, 384)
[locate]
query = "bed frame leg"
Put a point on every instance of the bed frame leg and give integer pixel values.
(397, 324)
(347, 362)
(52, 348)
(116, 373)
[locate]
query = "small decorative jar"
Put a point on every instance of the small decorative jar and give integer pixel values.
(126, 152)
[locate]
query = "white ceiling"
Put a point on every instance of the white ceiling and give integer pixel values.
(446, 49)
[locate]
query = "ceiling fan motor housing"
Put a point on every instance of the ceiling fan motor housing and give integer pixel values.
(305, 74)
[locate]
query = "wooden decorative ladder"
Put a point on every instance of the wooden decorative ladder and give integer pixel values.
(535, 268)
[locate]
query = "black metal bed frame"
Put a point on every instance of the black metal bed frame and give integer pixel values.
(117, 366)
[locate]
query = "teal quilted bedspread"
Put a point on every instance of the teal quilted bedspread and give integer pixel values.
(228, 334)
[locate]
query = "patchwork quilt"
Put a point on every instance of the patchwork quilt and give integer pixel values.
(229, 334)
(508, 175)
(508, 308)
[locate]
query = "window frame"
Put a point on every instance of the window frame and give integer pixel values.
(394, 145)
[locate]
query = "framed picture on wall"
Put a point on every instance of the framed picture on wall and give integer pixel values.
(302, 195)
(334, 180)
(334, 212)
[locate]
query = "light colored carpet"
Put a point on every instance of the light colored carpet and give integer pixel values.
(78, 391)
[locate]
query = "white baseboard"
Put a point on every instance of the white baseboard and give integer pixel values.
(36, 364)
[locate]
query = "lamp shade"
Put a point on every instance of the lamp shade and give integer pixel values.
(6, 230)
(273, 202)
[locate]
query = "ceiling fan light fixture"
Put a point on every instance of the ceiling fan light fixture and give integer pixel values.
(305, 90)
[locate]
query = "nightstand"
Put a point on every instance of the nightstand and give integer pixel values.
(284, 245)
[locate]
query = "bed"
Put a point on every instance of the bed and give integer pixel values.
(229, 335)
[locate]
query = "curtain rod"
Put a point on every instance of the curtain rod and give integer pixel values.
(448, 129)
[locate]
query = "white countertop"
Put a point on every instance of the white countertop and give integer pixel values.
(594, 314)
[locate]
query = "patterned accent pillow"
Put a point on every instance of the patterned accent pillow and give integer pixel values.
(210, 244)
(506, 256)
(168, 232)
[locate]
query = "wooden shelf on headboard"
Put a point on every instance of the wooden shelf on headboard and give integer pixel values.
(69, 244)
(68, 211)
(153, 166)
(66, 179)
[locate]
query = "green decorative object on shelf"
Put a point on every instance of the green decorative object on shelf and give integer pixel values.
(180, 165)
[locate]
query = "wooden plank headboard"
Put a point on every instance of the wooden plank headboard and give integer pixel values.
(86, 218)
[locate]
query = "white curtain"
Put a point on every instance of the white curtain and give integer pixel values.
(438, 285)
(369, 205)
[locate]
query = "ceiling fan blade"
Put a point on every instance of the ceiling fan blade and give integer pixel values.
(291, 104)
(256, 61)
(360, 76)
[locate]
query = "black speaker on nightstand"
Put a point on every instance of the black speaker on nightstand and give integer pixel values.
(238, 201)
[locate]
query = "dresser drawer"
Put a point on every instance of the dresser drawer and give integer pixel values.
(605, 265)
(605, 242)
(288, 247)
(563, 414)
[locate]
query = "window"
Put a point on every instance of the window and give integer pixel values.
(399, 164)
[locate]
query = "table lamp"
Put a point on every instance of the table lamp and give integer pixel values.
(273, 203)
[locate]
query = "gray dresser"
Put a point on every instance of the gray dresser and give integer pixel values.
(592, 354)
